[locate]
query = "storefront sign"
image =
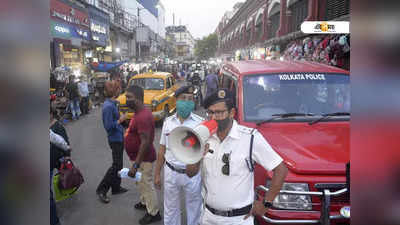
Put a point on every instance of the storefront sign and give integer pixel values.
(99, 25)
(61, 11)
(66, 31)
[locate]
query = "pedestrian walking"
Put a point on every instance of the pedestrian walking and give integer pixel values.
(228, 166)
(73, 96)
(211, 83)
(139, 146)
(175, 178)
(112, 124)
(83, 88)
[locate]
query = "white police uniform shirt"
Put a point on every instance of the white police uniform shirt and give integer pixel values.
(236, 190)
(169, 124)
(175, 181)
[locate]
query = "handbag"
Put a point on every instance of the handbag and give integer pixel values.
(61, 194)
(70, 176)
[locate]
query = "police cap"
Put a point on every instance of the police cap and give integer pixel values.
(221, 95)
(187, 89)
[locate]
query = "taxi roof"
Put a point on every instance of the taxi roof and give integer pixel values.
(277, 66)
(152, 75)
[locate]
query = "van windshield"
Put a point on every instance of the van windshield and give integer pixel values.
(148, 83)
(265, 96)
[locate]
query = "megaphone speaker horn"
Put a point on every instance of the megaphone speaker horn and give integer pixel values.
(187, 144)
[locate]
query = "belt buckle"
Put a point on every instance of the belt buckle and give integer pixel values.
(225, 213)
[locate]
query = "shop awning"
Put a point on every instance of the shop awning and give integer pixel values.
(106, 66)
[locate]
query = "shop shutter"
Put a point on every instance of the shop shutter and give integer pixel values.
(337, 8)
(299, 11)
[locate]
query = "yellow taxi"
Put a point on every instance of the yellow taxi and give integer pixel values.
(159, 89)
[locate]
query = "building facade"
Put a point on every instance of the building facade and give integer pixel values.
(183, 42)
(137, 28)
(70, 33)
(260, 25)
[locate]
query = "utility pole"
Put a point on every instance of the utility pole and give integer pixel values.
(138, 25)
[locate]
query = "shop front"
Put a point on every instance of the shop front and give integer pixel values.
(70, 34)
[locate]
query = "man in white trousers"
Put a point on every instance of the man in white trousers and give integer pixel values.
(175, 178)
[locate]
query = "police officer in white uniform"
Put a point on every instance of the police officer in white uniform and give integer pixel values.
(175, 178)
(227, 169)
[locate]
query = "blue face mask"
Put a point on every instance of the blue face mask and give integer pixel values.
(184, 108)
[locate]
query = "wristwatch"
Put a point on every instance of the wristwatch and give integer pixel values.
(135, 165)
(267, 204)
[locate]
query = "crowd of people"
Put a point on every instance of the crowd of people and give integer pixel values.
(207, 185)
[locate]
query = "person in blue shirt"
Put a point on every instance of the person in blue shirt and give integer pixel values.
(115, 134)
(211, 83)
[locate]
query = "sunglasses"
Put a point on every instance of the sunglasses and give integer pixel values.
(225, 160)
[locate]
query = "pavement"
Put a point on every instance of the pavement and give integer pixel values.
(92, 155)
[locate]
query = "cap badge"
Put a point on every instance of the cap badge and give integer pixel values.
(221, 94)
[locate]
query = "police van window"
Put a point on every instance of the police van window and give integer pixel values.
(226, 82)
(233, 90)
(302, 93)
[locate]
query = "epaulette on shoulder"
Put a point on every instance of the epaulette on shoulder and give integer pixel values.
(197, 117)
(244, 129)
(169, 118)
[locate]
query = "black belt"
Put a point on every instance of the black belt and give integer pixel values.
(234, 212)
(175, 169)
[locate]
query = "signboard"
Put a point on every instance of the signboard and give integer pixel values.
(142, 34)
(99, 26)
(63, 12)
(66, 31)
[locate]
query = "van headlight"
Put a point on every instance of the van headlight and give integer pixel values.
(294, 202)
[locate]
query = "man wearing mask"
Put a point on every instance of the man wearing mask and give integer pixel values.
(139, 147)
(175, 177)
(228, 167)
(112, 124)
(73, 96)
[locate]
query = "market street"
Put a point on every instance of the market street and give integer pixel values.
(92, 155)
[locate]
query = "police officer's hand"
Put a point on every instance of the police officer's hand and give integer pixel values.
(157, 181)
(257, 210)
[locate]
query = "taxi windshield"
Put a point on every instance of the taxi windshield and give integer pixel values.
(148, 83)
(307, 94)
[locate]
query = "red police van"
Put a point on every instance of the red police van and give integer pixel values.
(303, 111)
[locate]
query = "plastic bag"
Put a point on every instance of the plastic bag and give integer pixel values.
(61, 194)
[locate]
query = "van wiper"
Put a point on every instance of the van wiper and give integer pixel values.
(324, 116)
(283, 115)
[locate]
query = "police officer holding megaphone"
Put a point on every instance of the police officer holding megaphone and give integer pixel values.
(227, 160)
(175, 178)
